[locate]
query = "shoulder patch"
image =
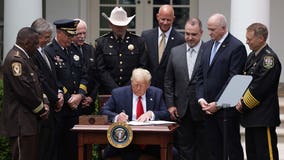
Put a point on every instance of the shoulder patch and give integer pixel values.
(17, 68)
(268, 62)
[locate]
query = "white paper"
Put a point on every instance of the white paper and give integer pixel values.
(136, 123)
(234, 91)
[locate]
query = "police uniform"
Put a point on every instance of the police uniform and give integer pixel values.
(89, 60)
(22, 102)
(71, 72)
(260, 104)
(117, 58)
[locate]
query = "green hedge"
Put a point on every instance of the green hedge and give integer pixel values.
(5, 153)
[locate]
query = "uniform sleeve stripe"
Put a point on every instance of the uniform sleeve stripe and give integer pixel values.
(83, 87)
(249, 100)
(38, 108)
(269, 144)
(65, 90)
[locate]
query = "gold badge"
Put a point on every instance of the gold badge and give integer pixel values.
(131, 47)
(17, 69)
(119, 135)
(268, 62)
(76, 57)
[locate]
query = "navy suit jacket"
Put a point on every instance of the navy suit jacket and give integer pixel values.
(228, 61)
(157, 69)
(48, 78)
(121, 100)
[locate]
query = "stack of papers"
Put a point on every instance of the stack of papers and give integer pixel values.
(136, 123)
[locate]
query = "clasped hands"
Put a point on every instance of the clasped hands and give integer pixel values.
(208, 108)
(74, 101)
(123, 117)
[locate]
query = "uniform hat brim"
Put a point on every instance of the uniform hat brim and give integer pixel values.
(118, 17)
(67, 25)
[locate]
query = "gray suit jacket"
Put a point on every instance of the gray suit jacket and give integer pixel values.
(179, 89)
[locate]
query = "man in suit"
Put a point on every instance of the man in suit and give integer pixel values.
(24, 103)
(158, 54)
(118, 52)
(51, 87)
(180, 80)
(224, 56)
(71, 72)
(122, 106)
(259, 107)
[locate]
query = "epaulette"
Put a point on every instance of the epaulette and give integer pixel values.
(134, 34)
(268, 51)
(106, 34)
(17, 54)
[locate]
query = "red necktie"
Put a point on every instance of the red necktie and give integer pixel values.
(139, 108)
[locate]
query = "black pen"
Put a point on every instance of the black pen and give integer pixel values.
(125, 113)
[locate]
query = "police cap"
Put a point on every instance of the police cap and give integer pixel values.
(67, 25)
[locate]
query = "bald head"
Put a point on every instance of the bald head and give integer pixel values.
(165, 17)
(217, 26)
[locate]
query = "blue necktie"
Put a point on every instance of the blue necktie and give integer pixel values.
(213, 51)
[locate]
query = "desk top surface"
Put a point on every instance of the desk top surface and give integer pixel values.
(151, 128)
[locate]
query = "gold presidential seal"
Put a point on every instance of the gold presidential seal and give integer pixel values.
(119, 135)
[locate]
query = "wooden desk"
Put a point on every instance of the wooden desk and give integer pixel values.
(154, 135)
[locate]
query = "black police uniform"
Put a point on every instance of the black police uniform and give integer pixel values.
(117, 58)
(71, 72)
(89, 59)
(260, 105)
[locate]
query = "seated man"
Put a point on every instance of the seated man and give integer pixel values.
(140, 102)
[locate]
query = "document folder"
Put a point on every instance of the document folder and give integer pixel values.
(234, 91)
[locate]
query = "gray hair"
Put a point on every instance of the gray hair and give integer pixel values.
(41, 26)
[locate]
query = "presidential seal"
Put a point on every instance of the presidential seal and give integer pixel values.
(119, 135)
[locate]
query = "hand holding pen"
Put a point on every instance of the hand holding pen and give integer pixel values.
(122, 117)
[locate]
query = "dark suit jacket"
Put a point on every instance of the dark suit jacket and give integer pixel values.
(158, 70)
(179, 89)
(121, 100)
(48, 78)
(228, 61)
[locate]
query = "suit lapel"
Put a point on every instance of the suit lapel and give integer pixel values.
(149, 100)
(220, 49)
(129, 110)
(198, 60)
(169, 45)
(183, 58)
(155, 42)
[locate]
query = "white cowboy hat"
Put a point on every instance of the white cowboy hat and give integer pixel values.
(118, 17)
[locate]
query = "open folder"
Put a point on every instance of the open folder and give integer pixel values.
(234, 91)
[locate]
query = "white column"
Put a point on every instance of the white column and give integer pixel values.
(18, 14)
(246, 12)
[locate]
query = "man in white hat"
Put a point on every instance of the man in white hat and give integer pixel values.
(118, 52)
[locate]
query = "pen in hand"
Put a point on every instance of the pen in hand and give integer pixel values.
(124, 116)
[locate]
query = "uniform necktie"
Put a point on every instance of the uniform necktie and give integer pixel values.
(213, 51)
(45, 58)
(139, 108)
(162, 46)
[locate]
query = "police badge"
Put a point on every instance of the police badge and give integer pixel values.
(119, 135)
(76, 57)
